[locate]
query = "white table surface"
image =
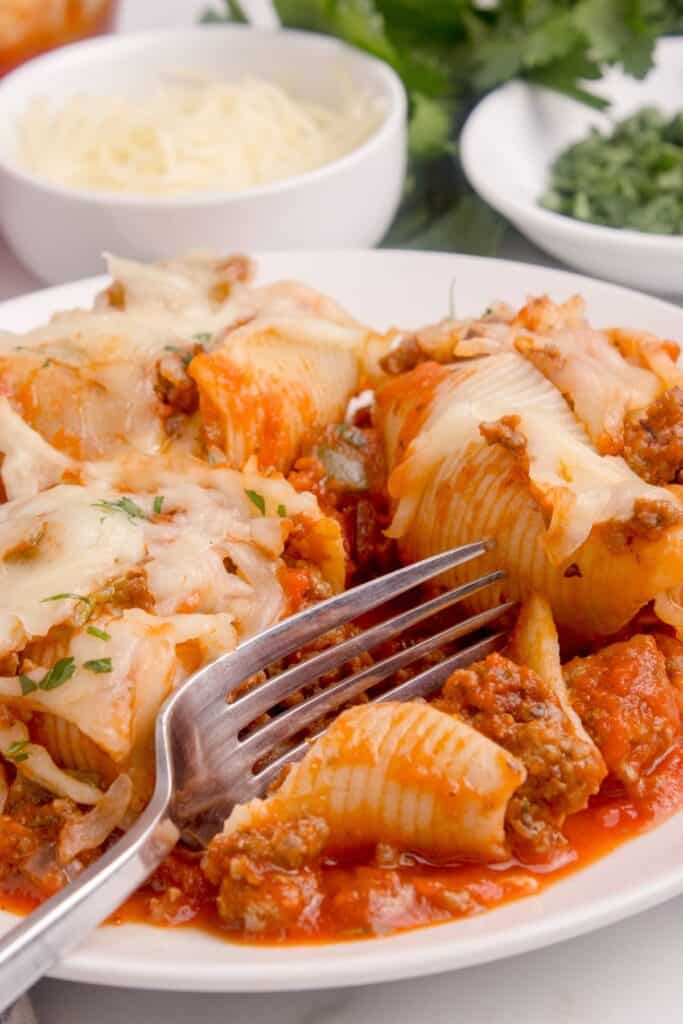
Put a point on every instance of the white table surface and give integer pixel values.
(630, 973)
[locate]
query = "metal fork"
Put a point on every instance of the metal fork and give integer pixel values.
(210, 751)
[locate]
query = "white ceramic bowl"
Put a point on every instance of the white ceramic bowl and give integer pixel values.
(511, 139)
(60, 233)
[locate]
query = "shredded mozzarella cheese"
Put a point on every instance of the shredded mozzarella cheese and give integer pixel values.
(189, 136)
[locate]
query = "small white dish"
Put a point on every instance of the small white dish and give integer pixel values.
(60, 233)
(511, 139)
(387, 288)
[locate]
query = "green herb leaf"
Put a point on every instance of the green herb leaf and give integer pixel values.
(257, 499)
(125, 505)
(203, 337)
(16, 751)
(27, 685)
(282, 510)
(98, 665)
(158, 504)
(59, 674)
(99, 633)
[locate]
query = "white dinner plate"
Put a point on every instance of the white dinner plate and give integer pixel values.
(511, 139)
(407, 289)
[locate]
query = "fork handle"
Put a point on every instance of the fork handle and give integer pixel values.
(31, 948)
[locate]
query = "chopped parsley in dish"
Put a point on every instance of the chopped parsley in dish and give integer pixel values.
(630, 178)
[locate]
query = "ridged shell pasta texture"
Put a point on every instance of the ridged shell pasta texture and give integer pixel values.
(404, 774)
(267, 388)
(554, 512)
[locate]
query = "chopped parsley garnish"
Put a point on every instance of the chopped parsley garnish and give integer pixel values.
(630, 177)
(204, 337)
(27, 685)
(99, 633)
(257, 499)
(125, 505)
(16, 750)
(158, 504)
(98, 665)
(59, 674)
(282, 510)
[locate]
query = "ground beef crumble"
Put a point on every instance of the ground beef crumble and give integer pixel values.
(266, 878)
(653, 439)
(504, 432)
(404, 357)
(649, 521)
(517, 709)
(175, 389)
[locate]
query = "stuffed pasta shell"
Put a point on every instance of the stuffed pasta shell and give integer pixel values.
(491, 448)
(187, 354)
(398, 773)
(121, 578)
(624, 386)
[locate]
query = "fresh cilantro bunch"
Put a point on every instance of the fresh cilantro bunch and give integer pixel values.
(449, 53)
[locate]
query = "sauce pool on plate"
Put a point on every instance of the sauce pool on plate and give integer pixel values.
(363, 899)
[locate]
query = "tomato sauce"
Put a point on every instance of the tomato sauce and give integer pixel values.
(30, 27)
(362, 900)
(418, 388)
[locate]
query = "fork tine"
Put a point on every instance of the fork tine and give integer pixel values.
(290, 722)
(421, 685)
(299, 630)
(432, 678)
(245, 709)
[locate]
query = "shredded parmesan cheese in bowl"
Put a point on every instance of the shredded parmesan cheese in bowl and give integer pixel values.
(189, 135)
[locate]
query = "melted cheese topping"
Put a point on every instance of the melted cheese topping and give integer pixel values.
(205, 557)
(59, 542)
(579, 487)
(110, 360)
